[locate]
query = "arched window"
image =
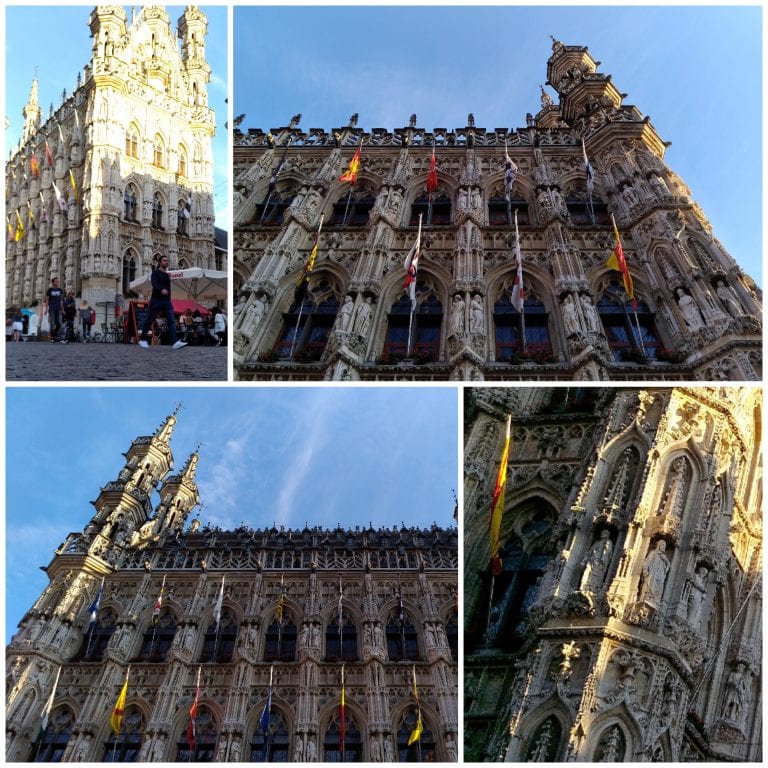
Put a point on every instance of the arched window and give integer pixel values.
(183, 216)
(353, 211)
(452, 633)
(423, 749)
(280, 641)
(581, 213)
(402, 638)
(424, 330)
(271, 211)
(307, 326)
(631, 336)
(157, 211)
(219, 642)
(129, 272)
(125, 748)
(203, 748)
(273, 746)
(441, 210)
(158, 151)
(129, 203)
(96, 639)
(132, 142)
(50, 747)
(509, 328)
(341, 645)
(182, 161)
(611, 746)
(158, 639)
(497, 210)
(353, 743)
(544, 745)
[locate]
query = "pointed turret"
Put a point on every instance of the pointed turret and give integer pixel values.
(32, 113)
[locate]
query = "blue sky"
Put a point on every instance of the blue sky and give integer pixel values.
(695, 70)
(289, 456)
(55, 42)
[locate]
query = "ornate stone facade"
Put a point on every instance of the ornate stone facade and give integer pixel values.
(296, 607)
(129, 152)
(626, 622)
(698, 315)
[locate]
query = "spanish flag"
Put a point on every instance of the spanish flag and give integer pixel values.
(353, 168)
(617, 261)
(497, 504)
(116, 720)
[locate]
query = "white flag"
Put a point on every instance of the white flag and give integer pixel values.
(518, 294)
(219, 601)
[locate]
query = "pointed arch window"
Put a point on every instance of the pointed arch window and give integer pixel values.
(158, 639)
(441, 210)
(353, 743)
(544, 745)
(630, 338)
(129, 272)
(125, 748)
(129, 203)
(509, 329)
(182, 161)
(280, 641)
(50, 748)
(204, 748)
(132, 142)
(354, 210)
(158, 151)
(423, 749)
(307, 325)
(341, 645)
(452, 634)
(96, 639)
(579, 210)
(425, 328)
(273, 746)
(497, 210)
(157, 211)
(402, 638)
(219, 641)
(611, 746)
(271, 211)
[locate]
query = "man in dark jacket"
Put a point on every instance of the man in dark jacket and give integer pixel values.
(160, 302)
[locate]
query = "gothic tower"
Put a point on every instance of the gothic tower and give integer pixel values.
(625, 621)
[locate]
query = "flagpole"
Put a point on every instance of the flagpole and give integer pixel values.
(305, 276)
(490, 607)
(343, 716)
(93, 620)
(519, 266)
(117, 735)
(631, 298)
(413, 302)
(279, 627)
(218, 621)
(50, 701)
(265, 208)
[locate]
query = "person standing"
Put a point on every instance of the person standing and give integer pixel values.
(85, 319)
(17, 326)
(219, 326)
(70, 313)
(54, 298)
(160, 302)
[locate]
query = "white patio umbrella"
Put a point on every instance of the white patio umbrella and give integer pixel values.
(195, 284)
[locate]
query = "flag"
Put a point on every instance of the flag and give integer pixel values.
(342, 715)
(432, 175)
(43, 212)
(510, 174)
(10, 229)
(193, 716)
(219, 601)
(417, 731)
(48, 156)
(19, 233)
(588, 170)
(186, 210)
(618, 262)
(497, 504)
(31, 214)
(264, 719)
(74, 186)
(301, 285)
(518, 293)
(281, 602)
(116, 720)
(60, 198)
(276, 172)
(94, 609)
(33, 164)
(158, 604)
(46, 713)
(411, 267)
(341, 605)
(353, 168)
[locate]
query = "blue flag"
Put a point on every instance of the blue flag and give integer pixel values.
(264, 719)
(94, 609)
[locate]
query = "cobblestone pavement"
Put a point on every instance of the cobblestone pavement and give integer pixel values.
(43, 361)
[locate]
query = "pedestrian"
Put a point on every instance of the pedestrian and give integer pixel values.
(17, 325)
(160, 303)
(220, 326)
(85, 319)
(54, 297)
(70, 313)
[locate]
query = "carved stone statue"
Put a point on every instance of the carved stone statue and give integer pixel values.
(596, 564)
(590, 315)
(363, 317)
(345, 316)
(375, 749)
(476, 319)
(698, 591)
(728, 297)
(689, 310)
(389, 756)
(311, 750)
(298, 750)
(457, 314)
(570, 317)
(736, 694)
(655, 570)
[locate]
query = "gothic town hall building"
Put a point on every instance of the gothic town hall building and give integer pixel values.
(698, 316)
(295, 608)
(122, 171)
(624, 624)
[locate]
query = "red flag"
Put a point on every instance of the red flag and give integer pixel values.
(432, 175)
(618, 262)
(353, 168)
(193, 716)
(497, 504)
(33, 164)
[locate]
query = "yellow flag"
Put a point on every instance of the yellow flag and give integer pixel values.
(19, 228)
(416, 732)
(116, 720)
(74, 186)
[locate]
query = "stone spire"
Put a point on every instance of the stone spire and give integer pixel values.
(32, 113)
